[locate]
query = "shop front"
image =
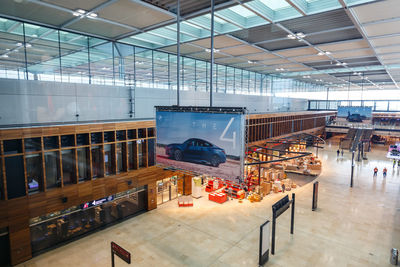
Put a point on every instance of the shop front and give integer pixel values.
(168, 189)
(62, 226)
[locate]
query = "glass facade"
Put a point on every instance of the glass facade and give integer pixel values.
(35, 52)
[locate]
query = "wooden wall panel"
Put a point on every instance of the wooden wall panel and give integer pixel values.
(151, 196)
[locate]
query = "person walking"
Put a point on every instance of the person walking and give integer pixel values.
(384, 172)
(394, 163)
(342, 152)
(375, 171)
(338, 152)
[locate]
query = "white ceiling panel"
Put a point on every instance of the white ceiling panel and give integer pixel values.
(385, 41)
(383, 28)
(390, 49)
(133, 14)
(359, 44)
(353, 54)
(378, 11)
(297, 52)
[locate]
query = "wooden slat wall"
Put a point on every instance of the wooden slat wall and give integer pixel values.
(265, 126)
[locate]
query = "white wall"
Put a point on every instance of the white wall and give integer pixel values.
(28, 102)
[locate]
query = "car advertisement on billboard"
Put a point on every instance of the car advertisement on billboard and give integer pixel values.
(355, 114)
(206, 143)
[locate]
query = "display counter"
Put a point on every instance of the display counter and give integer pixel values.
(55, 228)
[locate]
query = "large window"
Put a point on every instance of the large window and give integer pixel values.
(15, 177)
(132, 155)
(52, 165)
(121, 157)
(97, 162)
(68, 166)
(142, 155)
(109, 159)
(34, 172)
(83, 163)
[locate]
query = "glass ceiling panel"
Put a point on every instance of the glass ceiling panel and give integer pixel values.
(275, 4)
(242, 11)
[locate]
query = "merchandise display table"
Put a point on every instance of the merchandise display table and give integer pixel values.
(185, 201)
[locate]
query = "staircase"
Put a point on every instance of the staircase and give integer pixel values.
(356, 139)
(348, 140)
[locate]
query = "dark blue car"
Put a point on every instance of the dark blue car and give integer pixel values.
(196, 150)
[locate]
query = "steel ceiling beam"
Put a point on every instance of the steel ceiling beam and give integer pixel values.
(299, 5)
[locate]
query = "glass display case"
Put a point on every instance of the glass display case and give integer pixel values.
(58, 227)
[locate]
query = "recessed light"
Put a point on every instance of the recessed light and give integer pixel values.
(300, 35)
(209, 50)
(5, 56)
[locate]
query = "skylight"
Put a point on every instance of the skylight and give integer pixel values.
(275, 4)
(242, 11)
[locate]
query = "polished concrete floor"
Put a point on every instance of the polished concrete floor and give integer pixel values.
(352, 226)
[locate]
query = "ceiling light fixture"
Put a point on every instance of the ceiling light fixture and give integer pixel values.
(28, 45)
(338, 64)
(81, 11)
(209, 50)
(280, 69)
(321, 53)
(92, 15)
(250, 62)
(19, 44)
(344, 63)
(300, 35)
(4, 56)
(76, 14)
(8, 49)
(291, 36)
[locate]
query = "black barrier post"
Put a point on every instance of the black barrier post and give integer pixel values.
(352, 169)
(292, 219)
(315, 196)
(273, 234)
(112, 258)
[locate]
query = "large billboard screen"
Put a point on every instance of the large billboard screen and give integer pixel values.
(355, 114)
(202, 142)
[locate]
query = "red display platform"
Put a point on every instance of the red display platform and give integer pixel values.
(217, 197)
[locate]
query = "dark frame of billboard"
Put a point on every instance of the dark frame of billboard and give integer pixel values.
(203, 140)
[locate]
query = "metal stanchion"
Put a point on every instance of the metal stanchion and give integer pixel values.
(352, 168)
